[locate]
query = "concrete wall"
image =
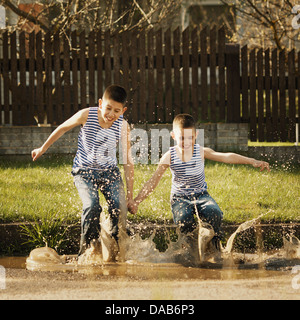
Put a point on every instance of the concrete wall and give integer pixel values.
(226, 136)
(22, 140)
(218, 136)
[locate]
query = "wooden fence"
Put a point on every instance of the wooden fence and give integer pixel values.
(270, 93)
(46, 78)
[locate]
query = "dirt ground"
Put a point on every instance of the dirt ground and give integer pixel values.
(21, 284)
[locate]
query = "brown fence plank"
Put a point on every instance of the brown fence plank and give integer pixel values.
(99, 66)
(245, 84)
(221, 60)
(186, 70)
(67, 78)
(275, 131)
(252, 66)
(204, 63)
(260, 95)
(91, 54)
(14, 79)
(48, 77)
(39, 79)
(142, 73)
(125, 61)
(268, 96)
(292, 96)
(134, 112)
(31, 89)
(282, 96)
(107, 57)
(151, 85)
(233, 82)
(82, 55)
(116, 60)
(159, 74)
(195, 77)
(168, 76)
(213, 76)
(24, 119)
(177, 75)
(75, 71)
(57, 77)
(6, 80)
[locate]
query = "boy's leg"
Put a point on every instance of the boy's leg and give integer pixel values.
(113, 191)
(90, 219)
(210, 212)
(183, 213)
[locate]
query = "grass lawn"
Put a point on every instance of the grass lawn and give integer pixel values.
(270, 144)
(29, 190)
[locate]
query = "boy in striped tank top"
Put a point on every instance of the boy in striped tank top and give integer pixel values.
(189, 195)
(95, 165)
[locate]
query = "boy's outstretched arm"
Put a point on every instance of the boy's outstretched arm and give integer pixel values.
(152, 183)
(77, 119)
(128, 161)
(234, 158)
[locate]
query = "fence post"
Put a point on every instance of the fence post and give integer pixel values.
(233, 82)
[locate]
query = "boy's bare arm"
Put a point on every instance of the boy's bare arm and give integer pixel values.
(128, 161)
(152, 183)
(234, 158)
(78, 119)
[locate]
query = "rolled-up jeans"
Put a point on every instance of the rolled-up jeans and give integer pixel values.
(184, 207)
(110, 183)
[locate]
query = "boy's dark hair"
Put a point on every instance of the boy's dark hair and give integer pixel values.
(184, 121)
(116, 93)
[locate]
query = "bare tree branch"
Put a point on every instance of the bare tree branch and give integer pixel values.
(93, 14)
(143, 13)
(8, 4)
(271, 20)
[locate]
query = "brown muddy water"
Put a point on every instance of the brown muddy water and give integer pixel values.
(151, 281)
(156, 271)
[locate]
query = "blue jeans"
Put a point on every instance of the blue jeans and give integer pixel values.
(88, 183)
(184, 207)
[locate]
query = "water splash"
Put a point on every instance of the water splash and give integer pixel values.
(243, 227)
(291, 247)
(43, 257)
(144, 250)
(93, 255)
(105, 249)
(191, 250)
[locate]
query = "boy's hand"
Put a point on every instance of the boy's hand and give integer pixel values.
(36, 153)
(262, 165)
(132, 206)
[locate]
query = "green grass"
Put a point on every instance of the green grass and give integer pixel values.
(270, 144)
(30, 191)
(244, 192)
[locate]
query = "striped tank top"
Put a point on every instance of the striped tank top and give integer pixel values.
(187, 177)
(97, 147)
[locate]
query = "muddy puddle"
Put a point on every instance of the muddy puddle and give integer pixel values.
(158, 271)
(236, 266)
(184, 259)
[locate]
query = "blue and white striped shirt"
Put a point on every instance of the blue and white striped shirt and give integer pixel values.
(187, 177)
(97, 147)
